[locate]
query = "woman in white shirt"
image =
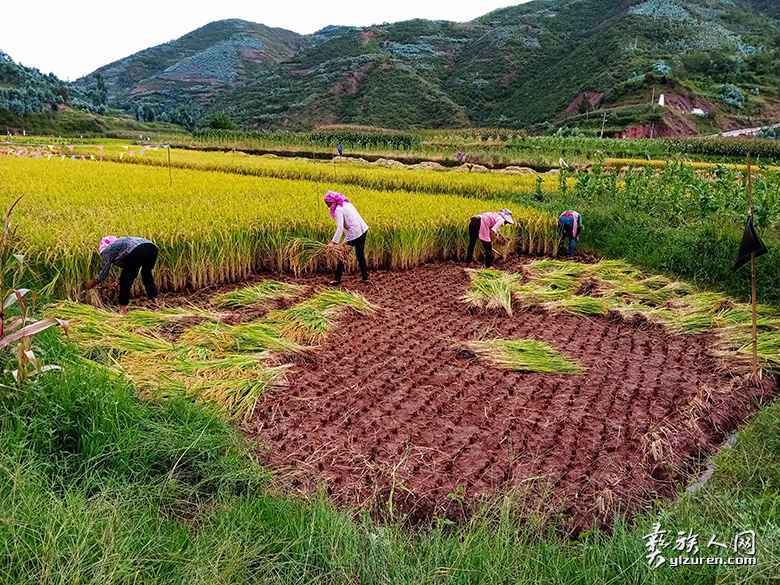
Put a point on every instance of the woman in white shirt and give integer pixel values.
(349, 222)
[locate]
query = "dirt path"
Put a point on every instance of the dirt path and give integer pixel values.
(391, 407)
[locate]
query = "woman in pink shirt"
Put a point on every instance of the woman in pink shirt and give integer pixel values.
(348, 222)
(482, 227)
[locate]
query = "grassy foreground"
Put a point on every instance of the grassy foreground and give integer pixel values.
(100, 486)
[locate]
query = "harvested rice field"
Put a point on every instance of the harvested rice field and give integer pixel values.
(398, 405)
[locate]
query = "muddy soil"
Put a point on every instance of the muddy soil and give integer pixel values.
(392, 412)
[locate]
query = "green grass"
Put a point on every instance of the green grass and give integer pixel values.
(98, 486)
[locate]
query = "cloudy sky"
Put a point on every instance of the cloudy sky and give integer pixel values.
(72, 40)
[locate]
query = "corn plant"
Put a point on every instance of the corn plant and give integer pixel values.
(20, 329)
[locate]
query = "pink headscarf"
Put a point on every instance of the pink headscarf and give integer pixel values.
(106, 242)
(335, 200)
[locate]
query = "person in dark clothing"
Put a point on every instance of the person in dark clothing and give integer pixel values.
(482, 227)
(131, 255)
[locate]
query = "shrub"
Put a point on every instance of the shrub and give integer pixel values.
(731, 96)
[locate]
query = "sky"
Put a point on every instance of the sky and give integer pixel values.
(71, 40)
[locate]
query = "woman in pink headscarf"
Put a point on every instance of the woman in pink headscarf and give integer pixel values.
(350, 224)
(131, 255)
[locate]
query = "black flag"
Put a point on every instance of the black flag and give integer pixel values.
(751, 244)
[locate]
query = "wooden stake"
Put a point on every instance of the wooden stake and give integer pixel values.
(753, 275)
(170, 175)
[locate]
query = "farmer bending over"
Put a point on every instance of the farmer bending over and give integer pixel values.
(569, 226)
(347, 219)
(482, 227)
(131, 255)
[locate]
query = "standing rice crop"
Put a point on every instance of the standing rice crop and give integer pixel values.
(216, 228)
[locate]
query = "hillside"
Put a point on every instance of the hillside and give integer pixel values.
(545, 63)
(573, 65)
(26, 93)
(165, 81)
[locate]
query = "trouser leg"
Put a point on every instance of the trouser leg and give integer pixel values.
(561, 237)
(474, 226)
(149, 259)
(360, 253)
(488, 253)
(566, 230)
(339, 271)
(126, 279)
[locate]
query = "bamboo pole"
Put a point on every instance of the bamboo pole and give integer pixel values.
(170, 174)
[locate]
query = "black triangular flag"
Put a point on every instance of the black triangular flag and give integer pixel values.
(751, 244)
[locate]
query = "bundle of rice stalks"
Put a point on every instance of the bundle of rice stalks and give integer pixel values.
(94, 328)
(567, 267)
(628, 292)
(95, 299)
(233, 384)
(258, 295)
(305, 254)
(615, 270)
(331, 298)
(252, 337)
(308, 322)
(530, 295)
(492, 289)
(557, 280)
(586, 306)
(739, 340)
(239, 398)
(135, 320)
(302, 324)
(524, 355)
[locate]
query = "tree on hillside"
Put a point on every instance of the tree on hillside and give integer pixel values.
(222, 121)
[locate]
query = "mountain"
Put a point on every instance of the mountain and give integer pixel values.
(584, 64)
(193, 68)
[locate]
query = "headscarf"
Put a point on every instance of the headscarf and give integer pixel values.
(335, 200)
(507, 215)
(106, 242)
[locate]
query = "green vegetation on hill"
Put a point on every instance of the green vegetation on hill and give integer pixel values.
(542, 65)
(24, 90)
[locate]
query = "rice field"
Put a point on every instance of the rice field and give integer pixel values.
(437, 386)
(216, 228)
